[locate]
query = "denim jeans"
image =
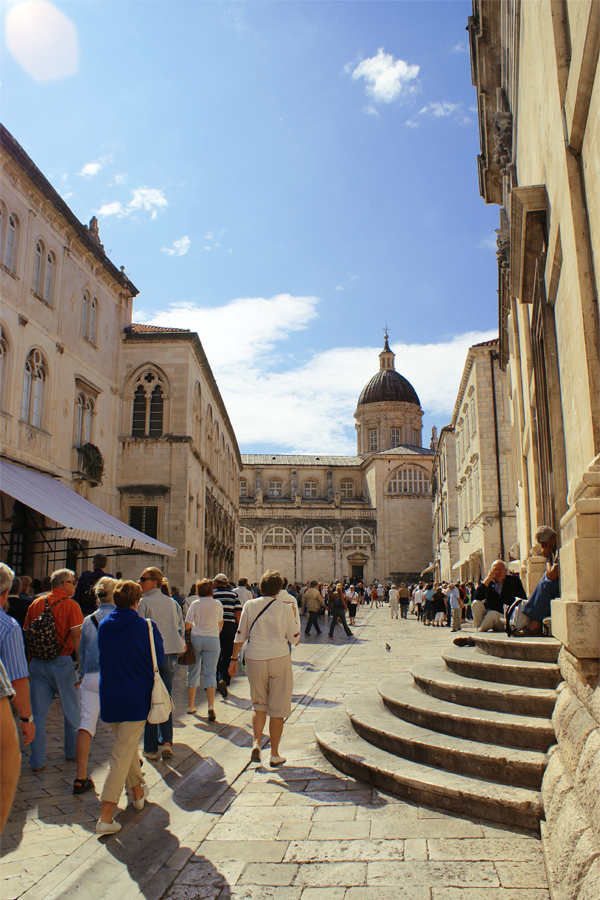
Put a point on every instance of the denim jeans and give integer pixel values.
(50, 677)
(167, 673)
(539, 603)
(313, 619)
(227, 638)
(338, 613)
(207, 651)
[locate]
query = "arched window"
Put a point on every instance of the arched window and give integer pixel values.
(317, 536)
(246, 536)
(12, 237)
(148, 405)
(37, 268)
(347, 490)
(83, 425)
(409, 481)
(49, 278)
(357, 537)
(33, 388)
(278, 537)
(3, 364)
(275, 488)
(243, 487)
(85, 315)
(93, 321)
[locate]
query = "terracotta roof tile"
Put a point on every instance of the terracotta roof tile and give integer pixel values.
(136, 328)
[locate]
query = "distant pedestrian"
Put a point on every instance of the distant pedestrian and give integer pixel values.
(232, 611)
(204, 620)
(338, 610)
(393, 597)
(404, 598)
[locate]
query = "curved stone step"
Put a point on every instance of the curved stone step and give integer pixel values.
(373, 721)
(439, 681)
(405, 700)
(422, 784)
(535, 649)
(471, 662)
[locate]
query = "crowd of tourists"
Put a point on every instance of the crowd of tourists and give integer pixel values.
(109, 647)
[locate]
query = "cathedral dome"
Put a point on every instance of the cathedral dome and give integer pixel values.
(387, 384)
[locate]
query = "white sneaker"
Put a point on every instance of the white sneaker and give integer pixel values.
(103, 828)
(139, 804)
(255, 755)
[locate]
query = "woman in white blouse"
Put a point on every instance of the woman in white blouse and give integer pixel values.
(205, 620)
(268, 624)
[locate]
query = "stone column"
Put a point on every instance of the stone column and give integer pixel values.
(258, 534)
(337, 555)
(298, 567)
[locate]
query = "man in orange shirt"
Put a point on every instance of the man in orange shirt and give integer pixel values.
(58, 675)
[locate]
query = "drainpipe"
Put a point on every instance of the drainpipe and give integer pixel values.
(494, 356)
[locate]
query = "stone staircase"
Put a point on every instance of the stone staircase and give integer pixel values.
(467, 733)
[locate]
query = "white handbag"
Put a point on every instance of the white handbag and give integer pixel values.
(161, 705)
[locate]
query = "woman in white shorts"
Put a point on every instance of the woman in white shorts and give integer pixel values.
(89, 696)
(268, 624)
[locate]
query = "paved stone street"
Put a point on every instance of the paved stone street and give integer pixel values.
(218, 828)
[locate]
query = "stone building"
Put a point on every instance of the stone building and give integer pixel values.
(445, 507)
(535, 66)
(127, 417)
(329, 517)
(486, 520)
(178, 462)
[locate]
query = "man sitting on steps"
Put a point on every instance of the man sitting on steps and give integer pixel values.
(497, 590)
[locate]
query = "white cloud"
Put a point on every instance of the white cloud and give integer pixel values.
(121, 178)
(459, 47)
(306, 406)
(386, 77)
(42, 39)
(488, 243)
(92, 168)
(440, 109)
(179, 248)
(67, 195)
(148, 199)
(370, 110)
(411, 124)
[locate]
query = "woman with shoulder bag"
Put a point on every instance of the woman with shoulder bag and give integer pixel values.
(204, 620)
(126, 684)
(268, 624)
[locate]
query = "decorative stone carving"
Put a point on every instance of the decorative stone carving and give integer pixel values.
(503, 137)
(297, 498)
(503, 242)
(329, 484)
(258, 496)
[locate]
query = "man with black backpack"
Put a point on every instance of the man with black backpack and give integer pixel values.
(52, 632)
(84, 592)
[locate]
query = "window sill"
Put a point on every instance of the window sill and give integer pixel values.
(35, 428)
(9, 272)
(88, 342)
(42, 300)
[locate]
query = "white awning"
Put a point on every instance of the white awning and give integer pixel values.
(80, 518)
(430, 568)
(467, 559)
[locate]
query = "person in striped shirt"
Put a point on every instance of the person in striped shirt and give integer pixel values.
(12, 654)
(232, 611)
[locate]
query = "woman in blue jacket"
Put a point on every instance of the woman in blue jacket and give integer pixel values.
(126, 681)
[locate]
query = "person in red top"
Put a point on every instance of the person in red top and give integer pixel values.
(59, 675)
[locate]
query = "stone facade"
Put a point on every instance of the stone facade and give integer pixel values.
(535, 66)
(75, 371)
(330, 517)
(445, 506)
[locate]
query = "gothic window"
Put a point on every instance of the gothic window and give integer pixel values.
(243, 487)
(144, 519)
(357, 537)
(11, 242)
(37, 267)
(83, 423)
(246, 537)
(317, 536)
(395, 437)
(148, 402)
(473, 421)
(347, 490)
(311, 489)
(275, 488)
(93, 321)
(3, 364)
(33, 388)
(85, 315)
(278, 537)
(373, 439)
(409, 481)
(89, 318)
(49, 278)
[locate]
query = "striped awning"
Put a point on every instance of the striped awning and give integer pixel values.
(80, 518)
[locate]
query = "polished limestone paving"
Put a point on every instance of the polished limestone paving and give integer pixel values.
(216, 827)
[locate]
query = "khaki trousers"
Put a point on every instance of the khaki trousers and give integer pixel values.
(124, 764)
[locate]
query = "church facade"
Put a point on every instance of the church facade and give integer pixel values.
(329, 517)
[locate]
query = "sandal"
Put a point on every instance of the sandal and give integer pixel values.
(81, 785)
(528, 631)
(464, 642)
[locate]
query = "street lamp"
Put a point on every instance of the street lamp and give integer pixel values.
(466, 533)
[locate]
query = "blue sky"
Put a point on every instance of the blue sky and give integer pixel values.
(284, 177)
